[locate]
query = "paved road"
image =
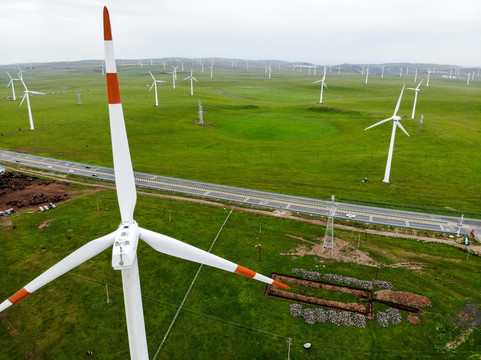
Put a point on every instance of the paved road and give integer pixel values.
(362, 213)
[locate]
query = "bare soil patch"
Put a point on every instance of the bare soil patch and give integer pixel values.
(413, 319)
(469, 317)
(343, 251)
(402, 297)
(46, 223)
(25, 192)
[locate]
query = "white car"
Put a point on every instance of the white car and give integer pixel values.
(350, 215)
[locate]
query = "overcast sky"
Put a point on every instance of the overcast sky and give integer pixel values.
(318, 31)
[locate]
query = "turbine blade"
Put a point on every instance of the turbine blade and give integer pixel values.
(324, 84)
(36, 92)
(417, 87)
(10, 83)
(401, 127)
(173, 247)
(378, 123)
(24, 96)
(151, 86)
(124, 174)
(9, 75)
(317, 81)
(151, 75)
(195, 79)
(76, 258)
(399, 102)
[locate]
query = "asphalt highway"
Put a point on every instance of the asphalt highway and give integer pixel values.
(369, 214)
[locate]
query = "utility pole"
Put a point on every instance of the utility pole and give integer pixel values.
(328, 242)
(289, 349)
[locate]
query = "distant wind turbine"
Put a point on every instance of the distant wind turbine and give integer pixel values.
(211, 71)
(395, 118)
(323, 84)
(416, 75)
(11, 82)
(192, 79)
(429, 74)
(382, 73)
(174, 76)
(416, 90)
(367, 74)
(154, 85)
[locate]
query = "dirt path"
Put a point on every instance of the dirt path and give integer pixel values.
(280, 213)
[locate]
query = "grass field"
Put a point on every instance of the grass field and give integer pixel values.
(267, 134)
(225, 316)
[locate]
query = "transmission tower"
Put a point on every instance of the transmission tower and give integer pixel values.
(201, 114)
(328, 242)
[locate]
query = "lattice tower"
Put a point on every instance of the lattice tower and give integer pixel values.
(328, 242)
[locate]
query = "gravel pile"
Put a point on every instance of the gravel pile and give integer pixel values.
(366, 284)
(384, 319)
(345, 318)
(307, 274)
(296, 310)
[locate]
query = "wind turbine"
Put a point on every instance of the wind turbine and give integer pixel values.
(174, 76)
(416, 90)
(192, 79)
(11, 82)
(211, 68)
(395, 118)
(125, 239)
(429, 74)
(416, 75)
(269, 69)
(367, 74)
(323, 84)
(27, 96)
(382, 73)
(154, 84)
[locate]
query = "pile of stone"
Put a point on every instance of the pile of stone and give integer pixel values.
(366, 284)
(345, 318)
(387, 317)
(307, 274)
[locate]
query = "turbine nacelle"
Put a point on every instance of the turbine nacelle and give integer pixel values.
(396, 118)
(124, 250)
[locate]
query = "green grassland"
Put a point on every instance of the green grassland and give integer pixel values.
(266, 134)
(226, 316)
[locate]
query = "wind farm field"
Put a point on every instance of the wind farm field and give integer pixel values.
(225, 316)
(266, 134)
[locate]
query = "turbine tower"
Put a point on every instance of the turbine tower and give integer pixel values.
(395, 118)
(211, 70)
(323, 84)
(367, 74)
(192, 79)
(416, 90)
(125, 239)
(382, 73)
(328, 242)
(154, 85)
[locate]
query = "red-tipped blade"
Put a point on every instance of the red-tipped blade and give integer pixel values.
(107, 30)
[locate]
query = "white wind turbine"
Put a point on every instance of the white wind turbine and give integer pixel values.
(11, 82)
(416, 90)
(125, 239)
(367, 74)
(395, 118)
(27, 96)
(323, 84)
(382, 73)
(211, 69)
(154, 85)
(416, 75)
(429, 75)
(192, 79)
(174, 76)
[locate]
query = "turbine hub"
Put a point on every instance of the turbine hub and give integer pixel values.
(396, 117)
(125, 246)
